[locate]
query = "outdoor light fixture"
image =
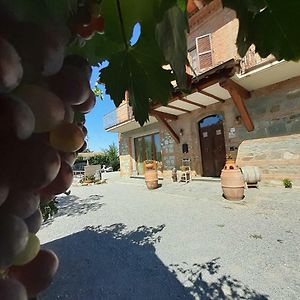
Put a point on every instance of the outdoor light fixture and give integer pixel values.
(181, 132)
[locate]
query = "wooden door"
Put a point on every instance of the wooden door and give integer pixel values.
(212, 149)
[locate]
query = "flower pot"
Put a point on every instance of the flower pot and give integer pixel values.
(151, 179)
(232, 182)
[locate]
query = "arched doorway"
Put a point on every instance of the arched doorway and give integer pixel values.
(212, 143)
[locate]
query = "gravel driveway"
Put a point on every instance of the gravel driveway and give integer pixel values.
(182, 241)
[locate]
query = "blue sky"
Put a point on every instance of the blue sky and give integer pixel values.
(98, 138)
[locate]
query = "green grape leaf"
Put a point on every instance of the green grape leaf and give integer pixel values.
(273, 26)
(171, 37)
(182, 4)
(97, 49)
(139, 71)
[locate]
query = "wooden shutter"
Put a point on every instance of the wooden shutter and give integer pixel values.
(204, 50)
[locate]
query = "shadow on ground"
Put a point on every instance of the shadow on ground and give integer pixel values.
(72, 206)
(113, 263)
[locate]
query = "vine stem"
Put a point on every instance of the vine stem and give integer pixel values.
(122, 24)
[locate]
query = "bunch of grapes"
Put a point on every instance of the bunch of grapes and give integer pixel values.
(41, 89)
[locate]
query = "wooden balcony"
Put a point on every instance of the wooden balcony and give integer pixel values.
(118, 116)
(252, 60)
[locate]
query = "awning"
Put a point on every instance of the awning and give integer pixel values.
(213, 86)
(205, 91)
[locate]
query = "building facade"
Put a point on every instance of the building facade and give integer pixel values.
(237, 106)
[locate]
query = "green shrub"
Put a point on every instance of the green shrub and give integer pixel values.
(110, 157)
(49, 209)
(287, 183)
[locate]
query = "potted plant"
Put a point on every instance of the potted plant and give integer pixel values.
(288, 184)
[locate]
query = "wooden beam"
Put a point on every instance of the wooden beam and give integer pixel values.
(238, 95)
(228, 83)
(169, 128)
(211, 96)
(192, 102)
(164, 115)
(178, 108)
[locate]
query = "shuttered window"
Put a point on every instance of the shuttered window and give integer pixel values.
(203, 44)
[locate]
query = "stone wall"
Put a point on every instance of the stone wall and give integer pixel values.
(125, 156)
(167, 149)
(277, 157)
(275, 111)
(91, 169)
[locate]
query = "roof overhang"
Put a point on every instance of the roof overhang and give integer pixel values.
(130, 125)
(213, 86)
(205, 90)
(268, 74)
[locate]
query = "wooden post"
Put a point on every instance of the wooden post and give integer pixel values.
(168, 127)
(238, 95)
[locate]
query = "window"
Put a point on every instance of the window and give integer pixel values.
(203, 44)
(147, 148)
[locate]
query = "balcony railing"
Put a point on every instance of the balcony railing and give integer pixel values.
(118, 116)
(252, 60)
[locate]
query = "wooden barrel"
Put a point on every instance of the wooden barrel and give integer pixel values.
(232, 182)
(151, 179)
(252, 175)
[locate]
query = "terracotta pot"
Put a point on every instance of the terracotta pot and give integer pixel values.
(232, 182)
(149, 166)
(151, 179)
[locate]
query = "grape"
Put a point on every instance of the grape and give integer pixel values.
(13, 238)
(86, 32)
(16, 118)
(84, 146)
(84, 130)
(79, 62)
(11, 70)
(45, 197)
(62, 181)
(69, 114)
(34, 221)
(66, 137)
(21, 203)
(47, 108)
(97, 24)
(4, 190)
(86, 106)
(37, 274)
(68, 157)
(11, 289)
(38, 164)
(40, 47)
(29, 253)
(83, 15)
(71, 85)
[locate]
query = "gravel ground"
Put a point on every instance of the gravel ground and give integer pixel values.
(182, 241)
